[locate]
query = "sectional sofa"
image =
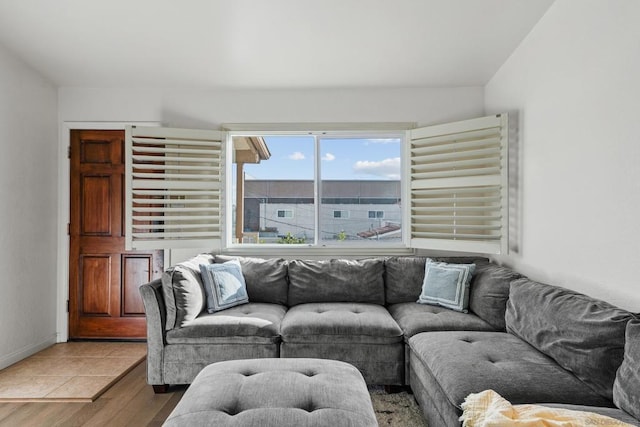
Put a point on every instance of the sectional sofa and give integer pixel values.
(530, 342)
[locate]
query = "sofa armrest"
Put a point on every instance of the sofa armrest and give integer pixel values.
(156, 314)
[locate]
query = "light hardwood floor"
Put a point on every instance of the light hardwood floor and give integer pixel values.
(129, 402)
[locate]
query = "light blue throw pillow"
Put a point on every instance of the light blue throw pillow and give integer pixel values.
(224, 285)
(447, 285)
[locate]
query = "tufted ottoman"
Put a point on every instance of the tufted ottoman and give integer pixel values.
(276, 392)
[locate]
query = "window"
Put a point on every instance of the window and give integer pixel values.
(285, 213)
(441, 187)
(331, 180)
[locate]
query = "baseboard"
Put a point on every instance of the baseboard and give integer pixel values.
(23, 353)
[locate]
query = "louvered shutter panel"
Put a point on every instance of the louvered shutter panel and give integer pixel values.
(459, 186)
(173, 188)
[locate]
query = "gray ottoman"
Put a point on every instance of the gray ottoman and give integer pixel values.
(276, 392)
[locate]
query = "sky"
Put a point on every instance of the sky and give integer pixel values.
(292, 157)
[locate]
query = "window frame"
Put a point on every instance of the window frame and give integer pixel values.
(319, 131)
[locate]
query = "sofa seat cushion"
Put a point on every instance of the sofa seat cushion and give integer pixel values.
(470, 362)
(252, 322)
(415, 318)
(340, 322)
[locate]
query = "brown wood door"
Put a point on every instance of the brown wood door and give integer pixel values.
(104, 301)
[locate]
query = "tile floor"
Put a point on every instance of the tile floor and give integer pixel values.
(69, 372)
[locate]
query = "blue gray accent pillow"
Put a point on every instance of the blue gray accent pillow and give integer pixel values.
(224, 285)
(447, 285)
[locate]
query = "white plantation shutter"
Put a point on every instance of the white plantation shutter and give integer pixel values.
(459, 186)
(173, 188)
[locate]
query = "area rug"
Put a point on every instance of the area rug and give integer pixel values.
(69, 372)
(396, 409)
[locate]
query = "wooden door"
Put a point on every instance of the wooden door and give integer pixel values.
(104, 301)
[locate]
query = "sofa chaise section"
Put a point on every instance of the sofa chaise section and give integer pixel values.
(561, 347)
(448, 366)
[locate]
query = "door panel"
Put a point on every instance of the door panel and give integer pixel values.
(104, 301)
(96, 284)
(96, 210)
(135, 270)
(96, 152)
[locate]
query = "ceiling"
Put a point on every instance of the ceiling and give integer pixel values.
(241, 44)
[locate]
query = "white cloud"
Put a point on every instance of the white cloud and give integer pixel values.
(382, 141)
(388, 168)
(296, 156)
(329, 157)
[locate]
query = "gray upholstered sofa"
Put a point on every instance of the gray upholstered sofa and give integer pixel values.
(530, 342)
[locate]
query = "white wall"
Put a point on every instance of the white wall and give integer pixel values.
(28, 213)
(210, 108)
(575, 83)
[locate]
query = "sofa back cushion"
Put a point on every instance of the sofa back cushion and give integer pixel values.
(183, 291)
(336, 280)
(626, 388)
(490, 292)
(582, 334)
(266, 279)
(403, 278)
